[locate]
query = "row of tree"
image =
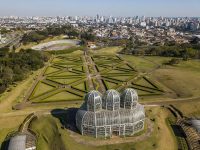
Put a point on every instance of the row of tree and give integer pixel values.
(16, 66)
(185, 51)
(39, 35)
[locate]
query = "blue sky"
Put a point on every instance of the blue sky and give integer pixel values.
(102, 7)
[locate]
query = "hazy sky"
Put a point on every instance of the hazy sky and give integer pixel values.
(102, 7)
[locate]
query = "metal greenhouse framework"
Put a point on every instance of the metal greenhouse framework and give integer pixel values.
(111, 114)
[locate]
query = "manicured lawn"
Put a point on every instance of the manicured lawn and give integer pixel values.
(66, 74)
(109, 50)
(140, 63)
(81, 86)
(65, 80)
(51, 70)
(41, 88)
(62, 96)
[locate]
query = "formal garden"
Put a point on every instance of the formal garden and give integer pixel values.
(67, 78)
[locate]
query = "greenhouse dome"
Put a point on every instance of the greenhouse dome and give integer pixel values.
(106, 122)
(129, 99)
(111, 100)
(93, 101)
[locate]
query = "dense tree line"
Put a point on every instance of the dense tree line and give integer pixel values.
(39, 35)
(16, 66)
(170, 49)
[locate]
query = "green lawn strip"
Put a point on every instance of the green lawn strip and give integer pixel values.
(49, 83)
(124, 70)
(144, 92)
(78, 68)
(77, 72)
(86, 86)
(148, 83)
(109, 67)
(62, 66)
(66, 73)
(50, 97)
(109, 74)
(41, 88)
(57, 66)
(55, 73)
(73, 59)
(147, 88)
(50, 70)
(102, 69)
(57, 59)
(80, 87)
(111, 79)
(109, 84)
(116, 71)
(64, 80)
(122, 77)
(96, 84)
(46, 95)
(108, 60)
(67, 62)
(64, 62)
(82, 79)
(62, 96)
(106, 63)
(143, 82)
(126, 67)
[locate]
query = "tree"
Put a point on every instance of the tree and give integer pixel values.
(7, 77)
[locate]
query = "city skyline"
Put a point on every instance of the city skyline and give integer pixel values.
(125, 8)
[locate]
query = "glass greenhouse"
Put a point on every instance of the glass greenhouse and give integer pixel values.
(110, 114)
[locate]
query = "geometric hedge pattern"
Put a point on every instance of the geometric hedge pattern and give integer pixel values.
(65, 79)
(119, 74)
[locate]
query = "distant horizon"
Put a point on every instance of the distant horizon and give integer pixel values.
(117, 8)
(104, 16)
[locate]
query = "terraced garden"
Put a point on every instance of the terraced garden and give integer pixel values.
(70, 77)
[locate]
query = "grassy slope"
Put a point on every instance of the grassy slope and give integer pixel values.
(8, 125)
(48, 134)
(7, 99)
(182, 79)
(189, 109)
(109, 50)
(161, 138)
